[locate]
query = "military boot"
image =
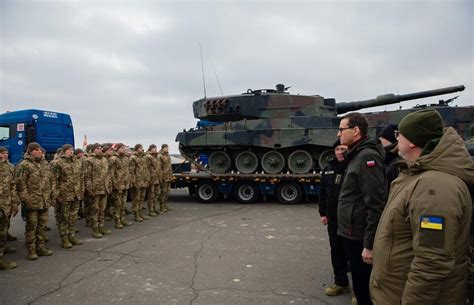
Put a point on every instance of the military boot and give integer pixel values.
(124, 222)
(6, 265)
(127, 211)
(138, 217)
(118, 224)
(152, 213)
(65, 243)
(9, 250)
(144, 217)
(32, 253)
(96, 233)
(74, 240)
(11, 237)
(337, 290)
(104, 231)
(43, 251)
(167, 208)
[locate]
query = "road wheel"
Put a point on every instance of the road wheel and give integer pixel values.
(300, 162)
(289, 192)
(246, 162)
(219, 162)
(207, 192)
(246, 192)
(273, 162)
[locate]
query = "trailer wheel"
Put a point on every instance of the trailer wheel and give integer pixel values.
(289, 192)
(206, 192)
(246, 192)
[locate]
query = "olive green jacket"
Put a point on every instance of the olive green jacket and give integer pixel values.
(422, 243)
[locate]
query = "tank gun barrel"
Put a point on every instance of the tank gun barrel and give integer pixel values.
(391, 98)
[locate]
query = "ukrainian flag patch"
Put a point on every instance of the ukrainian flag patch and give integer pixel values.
(431, 222)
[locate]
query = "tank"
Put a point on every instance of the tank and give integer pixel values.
(272, 131)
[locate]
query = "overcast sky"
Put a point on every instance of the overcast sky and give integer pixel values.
(128, 71)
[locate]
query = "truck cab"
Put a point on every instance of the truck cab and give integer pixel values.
(19, 128)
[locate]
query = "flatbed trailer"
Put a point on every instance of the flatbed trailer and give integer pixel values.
(248, 188)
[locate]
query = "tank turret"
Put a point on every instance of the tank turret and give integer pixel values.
(273, 131)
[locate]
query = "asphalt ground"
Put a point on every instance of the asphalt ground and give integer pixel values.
(222, 253)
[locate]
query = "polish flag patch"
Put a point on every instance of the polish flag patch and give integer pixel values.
(371, 163)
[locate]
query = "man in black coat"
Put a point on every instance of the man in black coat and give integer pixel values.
(330, 186)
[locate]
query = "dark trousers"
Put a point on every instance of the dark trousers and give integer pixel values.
(340, 263)
(360, 270)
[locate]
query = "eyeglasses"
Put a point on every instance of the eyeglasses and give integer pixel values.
(396, 133)
(341, 129)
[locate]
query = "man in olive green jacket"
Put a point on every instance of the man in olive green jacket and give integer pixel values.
(421, 246)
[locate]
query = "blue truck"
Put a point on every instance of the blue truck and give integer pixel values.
(19, 128)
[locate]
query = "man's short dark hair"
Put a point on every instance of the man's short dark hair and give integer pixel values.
(359, 120)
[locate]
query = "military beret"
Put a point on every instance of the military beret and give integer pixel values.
(78, 151)
(3, 149)
(119, 145)
(137, 146)
(388, 133)
(89, 147)
(106, 148)
(421, 126)
(164, 145)
(151, 146)
(66, 147)
(95, 146)
(32, 146)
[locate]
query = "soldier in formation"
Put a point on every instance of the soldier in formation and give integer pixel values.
(140, 177)
(97, 186)
(68, 175)
(153, 191)
(35, 188)
(8, 206)
(165, 178)
(120, 173)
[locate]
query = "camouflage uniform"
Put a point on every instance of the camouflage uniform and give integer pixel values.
(69, 178)
(108, 214)
(153, 191)
(35, 188)
(97, 186)
(139, 182)
(165, 180)
(8, 203)
(120, 185)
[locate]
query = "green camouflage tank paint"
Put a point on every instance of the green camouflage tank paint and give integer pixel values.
(273, 131)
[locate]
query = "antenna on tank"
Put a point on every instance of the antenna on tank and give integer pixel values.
(217, 78)
(202, 70)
